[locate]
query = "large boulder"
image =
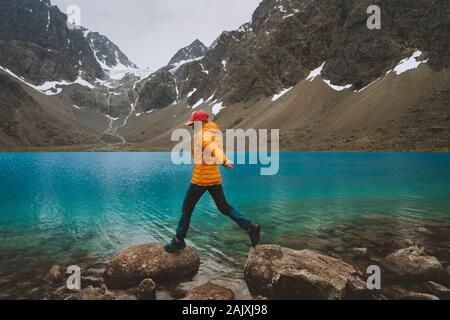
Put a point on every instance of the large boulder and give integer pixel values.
(210, 291)
(149, 261)
(281, 273)
(411, 264)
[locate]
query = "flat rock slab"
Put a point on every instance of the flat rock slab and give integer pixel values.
(411, 264)
(281, 273)
(150, 261)
(210, 291)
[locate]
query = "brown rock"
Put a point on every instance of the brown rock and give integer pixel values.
(417, 296)
(357, 289)
(360, 252)
(398, 292)
(424, 231)
(91, 293)
(91, 281)
(446, 276)
(438, 290)
(210, 291)
(95, 272)
(146, 290)
(56, 274)
(411, 263)
(149, 261)
(277, 272)
(410, 242)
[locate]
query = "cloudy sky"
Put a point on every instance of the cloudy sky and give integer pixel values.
(150, 32)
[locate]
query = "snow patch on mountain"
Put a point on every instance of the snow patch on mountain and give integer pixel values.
(177, 65)
(276, 97)
(224, 64)
(315, 73)
(50, 87)
(318, 72)
(48, 20)
(336, 87)
(410, 63)
(280, 8)
(192, 92)
(198, 104)
(210, 98)
(111, 118)
(217, 108)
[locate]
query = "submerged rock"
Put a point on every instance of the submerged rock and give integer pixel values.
(411, 264)
(91, 293)
(399, 292)
(210, 291)
(438, 290)
(56, 274)
(445, 276)
(417, 296)
(149, 261)
(91, 281)
(146, 290)
(424, 230)
(282, 273)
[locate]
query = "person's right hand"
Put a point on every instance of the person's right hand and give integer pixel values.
(228, 164)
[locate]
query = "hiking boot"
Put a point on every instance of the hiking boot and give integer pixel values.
(175, 246)
(254, 233)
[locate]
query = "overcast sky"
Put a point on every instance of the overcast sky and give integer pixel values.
(150, 32)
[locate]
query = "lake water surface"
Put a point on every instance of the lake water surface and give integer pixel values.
(69, 208)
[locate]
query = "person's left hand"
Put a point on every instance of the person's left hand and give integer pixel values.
(228, 164)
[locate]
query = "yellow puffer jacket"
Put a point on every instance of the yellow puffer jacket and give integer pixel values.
(206, 170)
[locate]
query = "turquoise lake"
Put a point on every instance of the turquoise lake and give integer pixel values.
(67, 208)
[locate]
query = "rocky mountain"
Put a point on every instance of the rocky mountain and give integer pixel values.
(286, 39)
(29, 119)
(45, 65)
(195, 50)
(43, 48)
(107, 53)
(291, 43)
(310, 68)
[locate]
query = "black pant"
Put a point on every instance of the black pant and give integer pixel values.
(194, 194)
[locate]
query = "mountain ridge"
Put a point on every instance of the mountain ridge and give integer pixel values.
(291, 67)
(286, 39)
(45, 49)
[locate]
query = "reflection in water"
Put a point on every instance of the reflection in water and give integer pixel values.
(82, 208)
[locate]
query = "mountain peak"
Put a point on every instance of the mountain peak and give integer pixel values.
(108, 54)
(195, 50)
(197, 42)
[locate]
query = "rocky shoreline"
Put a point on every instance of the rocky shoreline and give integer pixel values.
(413, 255)
(271, 272)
